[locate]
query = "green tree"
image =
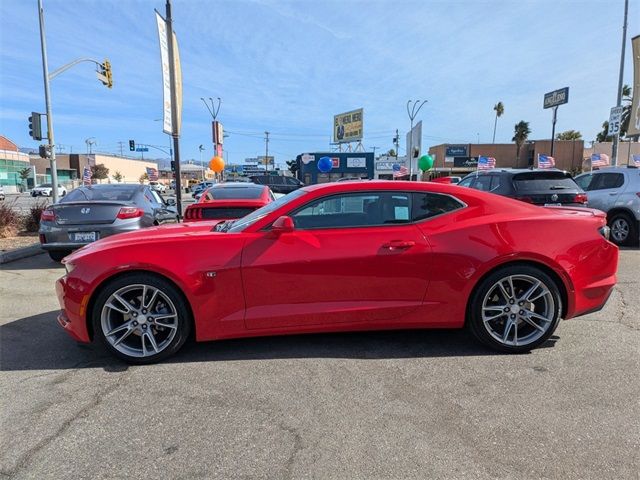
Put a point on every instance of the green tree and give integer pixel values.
(602, 136)
(391, 153)
(499, 109)
(99, 172)
(117, 176)
(521, 133)
(569, 135)
(293, 167)
(144, 177)
(24, 174)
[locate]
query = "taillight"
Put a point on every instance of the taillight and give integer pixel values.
(47, 215)
(130, 212)
(193, 213)
(605, 231)
(43, 239)
(580, 198)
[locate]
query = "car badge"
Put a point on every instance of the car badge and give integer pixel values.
(85, 210)
(554, 197)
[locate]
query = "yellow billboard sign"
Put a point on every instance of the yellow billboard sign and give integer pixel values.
(348, 126)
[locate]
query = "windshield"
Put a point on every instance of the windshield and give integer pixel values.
(543, 181)
(240, 225)
(237, 193)
(119, 193)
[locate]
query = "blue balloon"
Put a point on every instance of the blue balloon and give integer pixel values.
(396, 167)
(325, 164)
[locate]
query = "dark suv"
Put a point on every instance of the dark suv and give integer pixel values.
(278, 183)
(540, 187)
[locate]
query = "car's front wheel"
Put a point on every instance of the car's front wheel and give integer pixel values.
(515, 309)
(141, 318)
(624, 229)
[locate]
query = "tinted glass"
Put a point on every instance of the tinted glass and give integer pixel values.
(426, 205)
(466, 182)
(224, 193)
(156, 196)
(291, 181)
(608, 180)
(483, 182)
(231, 212)
(354, 210)
(240, 225)
(543, 181)
(585, 182)
(119, 193)
(259, 180)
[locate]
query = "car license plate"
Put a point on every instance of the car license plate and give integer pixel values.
(552, 204)
(84, 237)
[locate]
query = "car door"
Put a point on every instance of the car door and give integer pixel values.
(161, 213)
(603, 189)
(352, 257)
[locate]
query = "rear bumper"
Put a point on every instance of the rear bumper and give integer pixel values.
(60, 238)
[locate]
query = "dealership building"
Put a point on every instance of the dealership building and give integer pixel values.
(344, 164)
(463, 158)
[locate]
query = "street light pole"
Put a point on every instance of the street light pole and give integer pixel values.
(47, 99)
(614, 156)
(266, 148)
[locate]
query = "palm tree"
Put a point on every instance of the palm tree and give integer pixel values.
(521, 133)
(499, 108)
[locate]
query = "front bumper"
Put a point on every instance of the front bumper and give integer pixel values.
(73, 302)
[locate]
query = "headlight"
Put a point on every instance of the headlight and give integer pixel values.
(69, 267)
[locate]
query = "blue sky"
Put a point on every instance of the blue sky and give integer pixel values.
(288, 67)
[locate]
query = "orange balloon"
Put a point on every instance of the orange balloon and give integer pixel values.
(216, 164)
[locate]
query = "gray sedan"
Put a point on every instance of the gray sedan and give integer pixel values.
(87, 214)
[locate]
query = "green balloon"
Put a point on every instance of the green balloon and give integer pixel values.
(425, 163)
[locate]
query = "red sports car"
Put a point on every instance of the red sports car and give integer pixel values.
(228, 201)
(344, 256)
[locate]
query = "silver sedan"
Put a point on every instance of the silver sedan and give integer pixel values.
(87, 214)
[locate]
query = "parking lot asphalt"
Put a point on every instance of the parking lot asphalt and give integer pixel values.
(426, 404)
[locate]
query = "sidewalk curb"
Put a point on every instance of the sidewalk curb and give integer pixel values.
(19, 253)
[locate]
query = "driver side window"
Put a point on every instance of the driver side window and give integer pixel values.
(354, 210)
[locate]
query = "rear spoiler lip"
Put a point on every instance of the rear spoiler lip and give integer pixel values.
(594, 212)
(92, 202)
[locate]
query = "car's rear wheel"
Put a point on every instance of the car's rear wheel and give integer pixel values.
(515, 309)
(141, 318)
(624, 229)
(58, 255)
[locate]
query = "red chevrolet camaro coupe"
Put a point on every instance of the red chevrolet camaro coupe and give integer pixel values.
(344, 256)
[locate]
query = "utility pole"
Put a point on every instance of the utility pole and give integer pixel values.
(413, 113)
(614, 156)
(47, 99)
(174, 109)
(396, 142)
(266, 154)
(120, 143)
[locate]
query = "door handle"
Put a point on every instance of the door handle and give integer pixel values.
(613, 193)
(398, 244)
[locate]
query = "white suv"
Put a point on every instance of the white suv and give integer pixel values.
(616, 191)
(157, 186)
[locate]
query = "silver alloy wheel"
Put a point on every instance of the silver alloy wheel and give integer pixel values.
(139, 320)
(518, 310)
(620, 230)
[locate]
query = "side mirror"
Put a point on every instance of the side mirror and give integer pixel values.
(171, 202)
(283, 224)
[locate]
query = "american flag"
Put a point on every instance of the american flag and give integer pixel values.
(545, 161)
(636, 160)
(599, 160)
(152, 173)
(486, 163)
(403, 171)
(86, 175)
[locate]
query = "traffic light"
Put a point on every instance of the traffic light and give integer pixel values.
(44, 151)
(35, 126)
(173, 166)
(105, 71)
(132, 145)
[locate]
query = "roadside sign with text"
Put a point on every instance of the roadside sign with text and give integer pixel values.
(557, 97)
(615, 119)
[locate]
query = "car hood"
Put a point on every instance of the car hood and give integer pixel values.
(162, 233)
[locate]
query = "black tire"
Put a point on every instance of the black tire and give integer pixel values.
(58, 255)
(480, 329)
(627, 223)
(177, 298)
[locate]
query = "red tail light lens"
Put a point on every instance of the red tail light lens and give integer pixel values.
(193, 213)
(47, 215)
(580, 198)
(130, 212)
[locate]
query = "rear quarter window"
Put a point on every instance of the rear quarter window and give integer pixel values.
(427, 205)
